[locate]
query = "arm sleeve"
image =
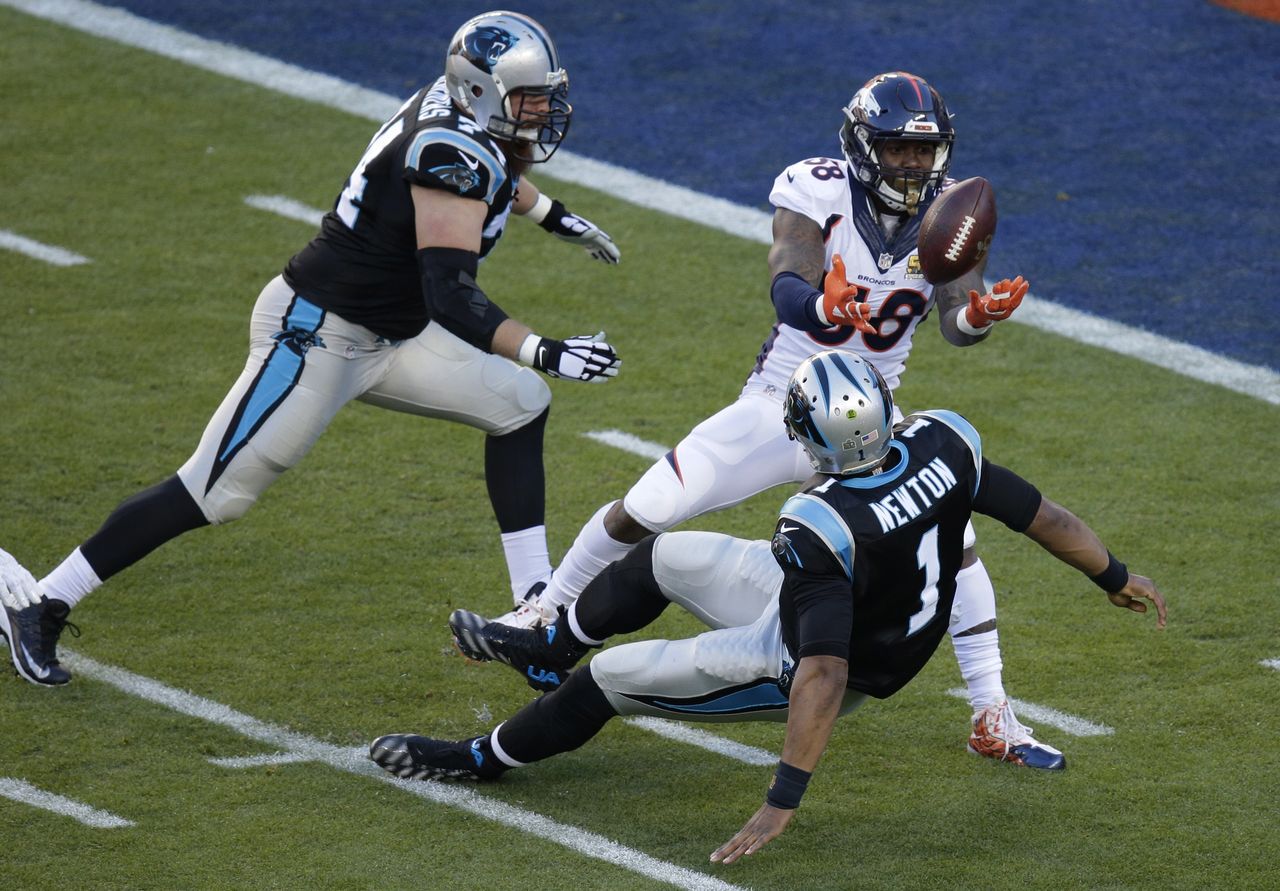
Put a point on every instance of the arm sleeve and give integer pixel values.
(454, 299)
(816, 593)
(1006, 496)
(795, 301)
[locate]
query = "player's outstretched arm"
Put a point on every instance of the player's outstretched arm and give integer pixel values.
(816, 694)
(449, 231)
(1070, 539)
(551, 215)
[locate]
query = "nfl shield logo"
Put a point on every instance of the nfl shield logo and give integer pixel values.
(886, 260)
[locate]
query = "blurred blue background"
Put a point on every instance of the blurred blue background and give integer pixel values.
(1133, 145)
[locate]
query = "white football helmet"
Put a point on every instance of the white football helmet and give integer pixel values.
(500, 53)
(840, 409)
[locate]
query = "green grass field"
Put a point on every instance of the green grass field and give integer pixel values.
(323, 611)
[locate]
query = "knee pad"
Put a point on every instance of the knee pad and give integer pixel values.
(233, 494)
(658, 500)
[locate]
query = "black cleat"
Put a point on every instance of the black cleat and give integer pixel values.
(32, 634)
(421, 758)
(543, 656)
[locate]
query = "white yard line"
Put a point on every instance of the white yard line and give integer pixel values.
(24, 792)
(1042, 714)
(123, 27)
(1271, 663)
(718, 745)
(46, 253)
(628, 443)
(286, 207)
(356, 761)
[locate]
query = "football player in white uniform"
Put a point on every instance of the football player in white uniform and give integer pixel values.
(859, 213)
(381, 306)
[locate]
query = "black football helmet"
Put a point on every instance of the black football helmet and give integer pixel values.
(897, 105)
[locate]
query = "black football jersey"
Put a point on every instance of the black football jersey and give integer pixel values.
(363, 264)
(869, 563)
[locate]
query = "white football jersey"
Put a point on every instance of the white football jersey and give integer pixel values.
(884, 267)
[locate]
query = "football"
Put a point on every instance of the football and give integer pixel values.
(957, 230)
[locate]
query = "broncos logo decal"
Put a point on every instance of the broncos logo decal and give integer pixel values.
(485, 45)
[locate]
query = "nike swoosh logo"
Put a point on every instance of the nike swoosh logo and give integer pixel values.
(542, 357)
(466, 159)
(784, 528)
(790, 177)
(40, 671)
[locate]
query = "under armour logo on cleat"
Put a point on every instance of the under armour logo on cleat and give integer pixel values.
(542, 676)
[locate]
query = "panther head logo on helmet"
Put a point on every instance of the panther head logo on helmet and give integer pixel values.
(483, 46)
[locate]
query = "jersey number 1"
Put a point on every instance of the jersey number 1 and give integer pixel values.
(927, 559)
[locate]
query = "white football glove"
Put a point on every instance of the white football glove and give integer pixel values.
(551, 215)
(18, 588)
(583, 358)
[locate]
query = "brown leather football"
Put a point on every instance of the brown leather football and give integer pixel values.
(957, 230)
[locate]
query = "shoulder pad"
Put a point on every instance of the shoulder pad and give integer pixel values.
(439, 158)
(961, 427)
(823, 521)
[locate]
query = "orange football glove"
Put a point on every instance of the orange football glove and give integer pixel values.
(1005, 297)
(840, 304)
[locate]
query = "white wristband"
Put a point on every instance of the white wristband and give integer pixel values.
(962, 322)
(540, 208)
(817, 308)
(529, 349)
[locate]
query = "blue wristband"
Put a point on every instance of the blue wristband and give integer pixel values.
(787, 787)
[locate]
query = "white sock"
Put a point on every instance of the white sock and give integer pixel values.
(528, 561)
(592, 551)
(978, 654)
(73, 579)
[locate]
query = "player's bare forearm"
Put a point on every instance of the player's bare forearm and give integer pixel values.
(1069, 538)
(816, 694)
(797, 247)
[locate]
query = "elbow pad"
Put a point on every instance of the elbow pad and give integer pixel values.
(454, 299)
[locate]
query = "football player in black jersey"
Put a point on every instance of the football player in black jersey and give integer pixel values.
(849, 599)
(382, 306)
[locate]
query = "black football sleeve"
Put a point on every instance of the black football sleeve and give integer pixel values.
(1006, 496)
(817, 597)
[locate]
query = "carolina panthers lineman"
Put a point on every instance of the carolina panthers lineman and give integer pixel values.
(382, 306)
(849, 600)
(861, 212)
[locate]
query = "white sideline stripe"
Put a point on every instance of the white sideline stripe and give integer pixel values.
(708, 741)
(1042, 714)
(123, 27)
(261, 760)
(356, 760)
(46, 252)
(285, 207)
(1271, 663)
(628, 443)
(25, 793)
